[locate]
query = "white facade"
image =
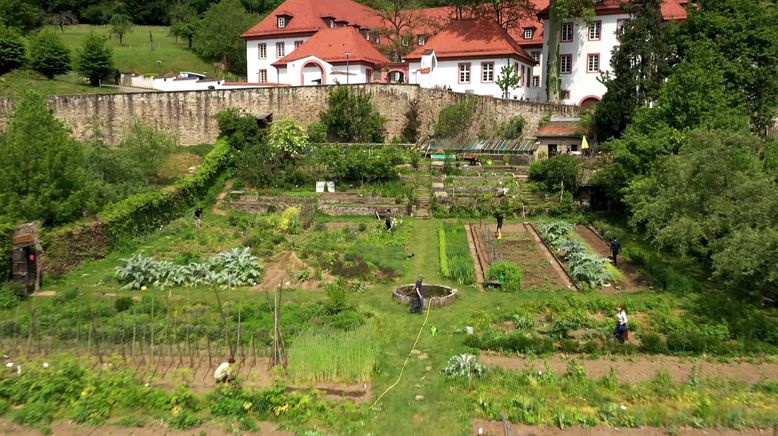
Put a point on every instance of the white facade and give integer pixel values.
(314, 71)
(586, 54)
(172, 84)
(258, 59)
(472, 76)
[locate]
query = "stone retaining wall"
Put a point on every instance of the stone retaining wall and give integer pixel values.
(190, 114)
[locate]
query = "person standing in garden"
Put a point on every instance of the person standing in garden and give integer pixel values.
(500, 219)
(418, 304)
(615, 250)
(621, 324)
(198, 214)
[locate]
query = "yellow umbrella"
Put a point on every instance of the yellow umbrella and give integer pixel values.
(584, 143)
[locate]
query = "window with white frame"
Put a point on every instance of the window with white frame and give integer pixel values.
(263, 51)
(536, 81)
(281, 22)
(330, 22)
(280, 50)
(529, 33)
(567, 32)
(262, 76)
(566, 63)
(595, 28)
(297, 44)
(422, 39)
(593, 63)
(487, 72)
(535, 55)
(464, 73)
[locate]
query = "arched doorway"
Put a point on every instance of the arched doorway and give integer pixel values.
(313, 74)
(396, 77)
(589, 102)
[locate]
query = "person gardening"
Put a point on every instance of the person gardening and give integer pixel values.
(198, 215)
(417, 306)
(223, 373)
(621, 332)
(388, 222)
(500, 219)
(615, 250)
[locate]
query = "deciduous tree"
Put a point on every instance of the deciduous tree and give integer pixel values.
(218, 35)
(121, 25)
(95, 60)
(48, 54)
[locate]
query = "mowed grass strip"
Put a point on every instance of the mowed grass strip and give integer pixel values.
(333, 356)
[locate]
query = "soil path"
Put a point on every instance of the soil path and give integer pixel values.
(279, 268)
(152, 428)
(477, 261)
(643, 368)
(632, 282)
(494, 428)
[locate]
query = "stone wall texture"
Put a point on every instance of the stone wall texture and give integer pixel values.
(190, 114)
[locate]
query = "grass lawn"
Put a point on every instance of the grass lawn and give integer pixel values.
(136, 55)
(16, 83)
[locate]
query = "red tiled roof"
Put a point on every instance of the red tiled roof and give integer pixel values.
(307, 16)
(331, 45)
(537, 38)
(473, 38)
(559, 129)
(671, 9)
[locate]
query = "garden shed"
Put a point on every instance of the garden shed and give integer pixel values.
(26, 256)
(559, 136)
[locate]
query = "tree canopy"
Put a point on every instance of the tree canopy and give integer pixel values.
(218, 34)
(95, 60)
(48, 54)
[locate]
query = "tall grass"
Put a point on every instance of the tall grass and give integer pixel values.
(333, 356)
(455, 254)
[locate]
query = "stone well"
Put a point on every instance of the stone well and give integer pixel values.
(434, 295)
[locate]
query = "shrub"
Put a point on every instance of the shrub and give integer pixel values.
(6, 233)
(123, 304)
(463, 366)
(317, 133)
(512, 128)
(238, 128)
(12, 51)
(95, 60)
(351, 117)
(8, 298)
(287, 137)
(552, 173)
(508, 273)
(48, 54)
(453, 118)
(653, 343)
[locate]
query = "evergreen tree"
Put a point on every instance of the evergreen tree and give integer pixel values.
(21, 14)
(12, 51)
(639, 65)
(42, 173)
(95, 60)
(49, 55)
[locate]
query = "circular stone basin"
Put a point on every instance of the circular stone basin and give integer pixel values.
(434, 295)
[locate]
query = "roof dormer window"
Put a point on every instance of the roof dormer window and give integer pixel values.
(329, 21)
(281, 22)
(422, 39)
(529, 33)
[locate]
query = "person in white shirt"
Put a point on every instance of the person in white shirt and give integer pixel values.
(621, 326)
(223, 373)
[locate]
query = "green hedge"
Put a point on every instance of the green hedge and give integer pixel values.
(6, 233)
(142, 213)
(134, 216)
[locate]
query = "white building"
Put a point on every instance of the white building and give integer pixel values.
(468, 56)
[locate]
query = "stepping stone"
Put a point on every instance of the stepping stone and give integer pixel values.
(428, 368)
(441, 194)
(423, 356)
(415, 352)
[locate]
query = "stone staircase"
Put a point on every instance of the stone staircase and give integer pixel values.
(423, 180)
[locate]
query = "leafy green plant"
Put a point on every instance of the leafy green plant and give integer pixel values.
(508, 274)
(463, 366)
(453, 117)
(333, 356)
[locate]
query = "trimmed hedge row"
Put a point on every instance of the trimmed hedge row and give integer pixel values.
(134, 216)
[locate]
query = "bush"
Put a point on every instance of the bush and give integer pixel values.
(512, 128)
(553, 172)
(452, 119)
(10, 295)
(351, 117)
(317, 133)
(463, 365)
(6, 233)
(48, 54)
(238, 128)
(95, 60)
(511, 342)
(123, 304)
(653, 343)
(12, 52)
(508, 273)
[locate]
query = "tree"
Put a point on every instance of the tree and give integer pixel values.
(218, 36)
(12, 52)
(238, 128)
(184, 21)
(508, 13)
(351, 117)
(400, 19)
(287, 138)
(42, 173)
(62, 19)
(745, 36)
(639, 65)
(95, 60)
(562, 172)
(21, 14)
(147, 147)
(714, 201)
(560, 10)
(507, 79)
(49, 55)
(120, 26)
